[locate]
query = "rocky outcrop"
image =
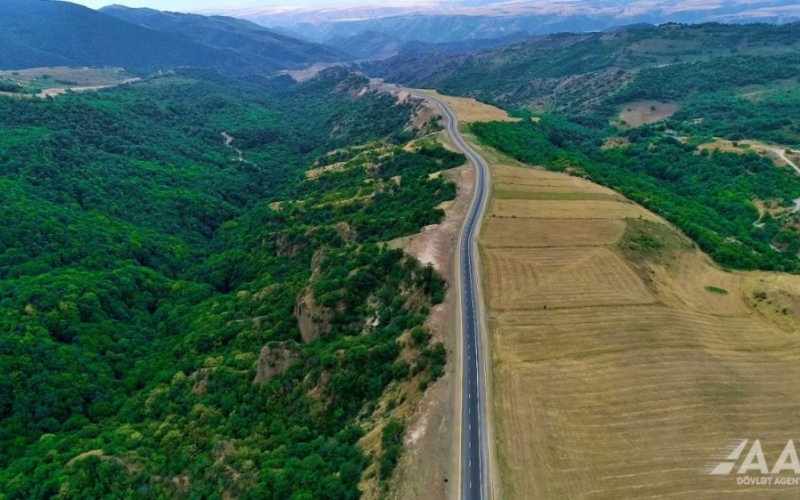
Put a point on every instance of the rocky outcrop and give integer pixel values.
(287, 247)
(312, 320)
(346, 233)
(200, 379)
(275, 359)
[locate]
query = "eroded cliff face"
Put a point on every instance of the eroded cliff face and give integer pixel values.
(275, 359)
(312, 319)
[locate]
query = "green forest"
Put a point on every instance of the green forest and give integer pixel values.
(146, 268)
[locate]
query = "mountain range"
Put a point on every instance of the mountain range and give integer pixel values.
(435, 22)
(248, 40)
(37, 33)
(374, 45)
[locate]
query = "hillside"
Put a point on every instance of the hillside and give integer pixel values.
(375, 45)
(196, 297)
(565, 72)
(250, 41)
(37, 33)
(698, 123)
(368, 45)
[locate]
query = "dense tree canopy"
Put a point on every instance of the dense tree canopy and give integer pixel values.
(143, 269)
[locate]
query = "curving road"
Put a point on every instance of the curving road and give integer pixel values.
(475, 453)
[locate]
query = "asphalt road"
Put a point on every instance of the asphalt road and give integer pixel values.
(475, 470)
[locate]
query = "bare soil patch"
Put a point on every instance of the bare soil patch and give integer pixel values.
(303, 75)
(638, 113)
(316, 172)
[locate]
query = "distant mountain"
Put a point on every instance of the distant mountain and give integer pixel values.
(467, 45)
(374, 45)
(368, 45)
(248, 40)
(36, 33)
(453, 21)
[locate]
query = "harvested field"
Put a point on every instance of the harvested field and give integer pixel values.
(633, 403)
(499, 233)
(469, 110)
(504, 184)
(640, 371)
(560, 277)
(529, 194)
(636, 114)
(686, 284)
(774, 296)
(572, 209)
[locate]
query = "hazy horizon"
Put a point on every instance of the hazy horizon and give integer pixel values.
(196, 5)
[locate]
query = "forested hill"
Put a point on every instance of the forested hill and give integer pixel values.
(189, 314)
(37, 33)
(575, 71)
(252, 42)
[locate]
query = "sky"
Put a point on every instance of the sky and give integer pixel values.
(190, 5)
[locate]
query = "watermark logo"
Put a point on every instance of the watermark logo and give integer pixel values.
(784, 471)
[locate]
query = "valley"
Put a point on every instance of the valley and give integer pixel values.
(444, 250)
(170, 334)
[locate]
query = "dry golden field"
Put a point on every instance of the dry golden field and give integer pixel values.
(469, 110)
(625, 361)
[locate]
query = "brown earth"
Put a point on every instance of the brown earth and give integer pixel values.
(303, 75)
(636, 114)
(624, 360)
(275, 360)
(313, 321)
